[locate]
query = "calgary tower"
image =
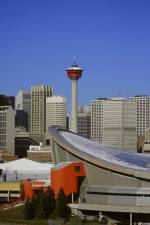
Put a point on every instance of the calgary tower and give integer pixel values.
(74, 73)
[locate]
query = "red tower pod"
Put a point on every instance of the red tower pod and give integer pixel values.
(74, 72)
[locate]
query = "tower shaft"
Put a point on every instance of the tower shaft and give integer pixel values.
(74, 107)
(74, 73)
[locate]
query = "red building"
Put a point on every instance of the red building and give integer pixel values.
(67, 176)
(33, 187)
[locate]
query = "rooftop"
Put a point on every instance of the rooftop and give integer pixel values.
(122, 161)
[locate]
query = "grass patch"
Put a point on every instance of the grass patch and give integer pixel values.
(12, 214)
(15, 215)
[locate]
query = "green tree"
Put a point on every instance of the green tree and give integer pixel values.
(62, 209)
(28, 209)
(34, 205)
(41, 211)
(49, 201)
(22, 192)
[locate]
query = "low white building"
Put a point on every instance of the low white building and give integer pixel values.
(25, 169)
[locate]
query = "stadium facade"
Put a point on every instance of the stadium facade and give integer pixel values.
(115, 181)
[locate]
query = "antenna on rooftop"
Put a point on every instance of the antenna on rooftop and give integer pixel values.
(74, 59)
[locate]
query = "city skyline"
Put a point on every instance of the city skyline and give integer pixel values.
(108, 39)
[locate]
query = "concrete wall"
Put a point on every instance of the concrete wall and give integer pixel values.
(104, 187)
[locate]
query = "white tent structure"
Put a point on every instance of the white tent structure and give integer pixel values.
(24, 169)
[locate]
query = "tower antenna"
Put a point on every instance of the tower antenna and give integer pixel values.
(74, 59)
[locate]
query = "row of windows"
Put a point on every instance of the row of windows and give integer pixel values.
(117, 194)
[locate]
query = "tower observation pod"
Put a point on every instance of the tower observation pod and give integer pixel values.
(74, 73)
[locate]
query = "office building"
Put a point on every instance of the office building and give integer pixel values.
(39, 153)
(39, 93)
(55, 112)
(146, 142)
(7, 101)
(68, 118)
(23, 103)
(119, 124)
(21, 120)
(84, 121)
(23, 140)
(7, 129)
(97, 119)
(114, 123)
(143, 113)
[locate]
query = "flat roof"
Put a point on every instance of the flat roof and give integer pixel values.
(10, 186)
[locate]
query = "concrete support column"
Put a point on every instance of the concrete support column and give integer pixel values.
(131, 219)
(74, 107)
(8, 196)
(72, 197)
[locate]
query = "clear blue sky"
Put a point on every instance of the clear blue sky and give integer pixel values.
(110, 40)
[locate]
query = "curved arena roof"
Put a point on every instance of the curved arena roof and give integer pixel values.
(107, 157)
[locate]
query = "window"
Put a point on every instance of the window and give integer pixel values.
(77, 168)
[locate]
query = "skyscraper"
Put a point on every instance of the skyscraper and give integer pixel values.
(84, 121)
(23, 104)
(143, 113)
(39, 93)
(7, 101)
(115, 123)
(7, 129)
(119, 123)
(55, 112)
(97, 119)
